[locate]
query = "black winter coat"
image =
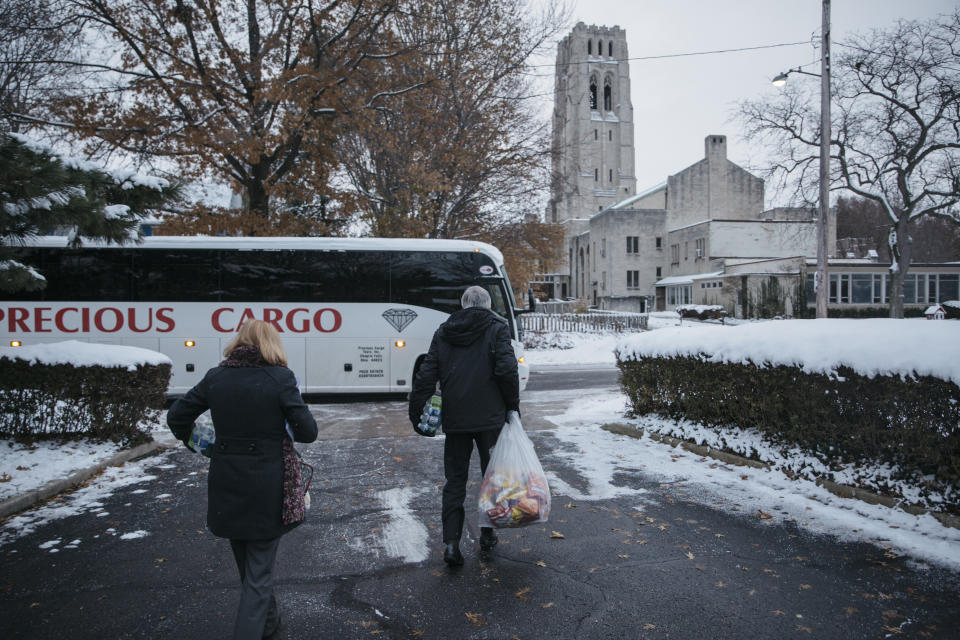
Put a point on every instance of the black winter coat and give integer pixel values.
(249, 406)
(472, 358)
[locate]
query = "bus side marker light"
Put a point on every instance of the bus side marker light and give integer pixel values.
(400, 343)
(189, 343)
(15, 343)
(521, 359)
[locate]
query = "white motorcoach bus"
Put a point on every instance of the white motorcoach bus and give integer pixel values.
(356, 315)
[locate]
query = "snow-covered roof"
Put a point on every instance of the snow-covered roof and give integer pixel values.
(273, 243)
(687, 279)
(932, 309)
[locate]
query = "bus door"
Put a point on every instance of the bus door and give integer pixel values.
(348, 365)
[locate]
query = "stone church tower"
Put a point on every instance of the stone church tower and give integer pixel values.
(593, 150)
(593, 153)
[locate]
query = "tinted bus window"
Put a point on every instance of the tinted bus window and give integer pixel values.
(169, 275)
(432, 280)
(84, 274)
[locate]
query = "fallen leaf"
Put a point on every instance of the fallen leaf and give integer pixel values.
(699, 567)
(663, 527)
(777, 612)
(546, 605)
(623, 555)
(752, 592)
(592, 569)
(743, 477)
(19, 468)
(540, 563)
(397, 459)
(805, 586)
(649, 627)
(683, 546)
(851, 610)
(721, 584)
(476, 619)
(892, 629)
(800, 627)
(522, 593)
(718, 535)
(800, 558)
(527, 550)
(570, 505)
(763, 514)
(417, 633)
(639, 542)
(557, 535)
(689, 555)
(5, 477)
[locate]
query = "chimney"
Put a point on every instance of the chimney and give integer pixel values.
(715, 147)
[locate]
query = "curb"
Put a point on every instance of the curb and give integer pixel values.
(24, 501)
(839, 490)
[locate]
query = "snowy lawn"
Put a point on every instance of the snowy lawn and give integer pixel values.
(602, 457)
(559, 348)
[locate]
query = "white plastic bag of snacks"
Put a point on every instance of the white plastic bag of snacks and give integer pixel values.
(514, 492)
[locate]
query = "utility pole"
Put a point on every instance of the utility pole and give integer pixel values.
(822, 286)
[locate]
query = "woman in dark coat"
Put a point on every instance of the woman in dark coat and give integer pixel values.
(251, 396)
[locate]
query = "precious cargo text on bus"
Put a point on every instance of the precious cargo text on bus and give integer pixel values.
(356, 315)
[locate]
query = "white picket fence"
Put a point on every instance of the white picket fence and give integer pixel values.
(583, 322)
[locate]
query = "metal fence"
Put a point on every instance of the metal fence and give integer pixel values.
(583, 322)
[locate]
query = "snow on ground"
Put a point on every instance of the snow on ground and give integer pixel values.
(600, 457)
(89, 498)
(593, 348)
(30, 466)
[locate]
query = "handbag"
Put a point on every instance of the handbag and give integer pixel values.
(430, 418)
(297, 475)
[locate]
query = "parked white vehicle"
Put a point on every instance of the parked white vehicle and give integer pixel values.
(356, 314)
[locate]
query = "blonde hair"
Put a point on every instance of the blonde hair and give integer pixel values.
(263, 335)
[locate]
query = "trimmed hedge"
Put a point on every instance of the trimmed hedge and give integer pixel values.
(913, 423)
(62, 400)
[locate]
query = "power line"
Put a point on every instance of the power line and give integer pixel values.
(681, 55)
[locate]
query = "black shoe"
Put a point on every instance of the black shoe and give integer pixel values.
(276, 633)
(452, 555)
(488, 539)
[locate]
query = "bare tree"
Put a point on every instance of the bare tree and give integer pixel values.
(466, 152)
(895, 131)
(35, 37)
(248, 90)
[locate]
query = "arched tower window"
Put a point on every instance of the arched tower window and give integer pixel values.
(593, 93)
(607, 95)
(589, 47)
(610, 49)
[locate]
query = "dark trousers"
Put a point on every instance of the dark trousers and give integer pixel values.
(456, 463)
(257, 615)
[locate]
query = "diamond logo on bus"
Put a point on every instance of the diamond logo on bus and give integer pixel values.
(399, 318)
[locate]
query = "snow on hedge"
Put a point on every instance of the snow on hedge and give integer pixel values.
(85, 354)
(880, 346)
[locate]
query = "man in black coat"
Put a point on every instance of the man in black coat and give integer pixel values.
(472, 359)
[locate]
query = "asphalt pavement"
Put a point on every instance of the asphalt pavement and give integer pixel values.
(367, 563)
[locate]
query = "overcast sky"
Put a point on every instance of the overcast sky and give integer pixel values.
(678, 102)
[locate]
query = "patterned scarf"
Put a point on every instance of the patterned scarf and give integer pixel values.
(245, 356)
(294, 508)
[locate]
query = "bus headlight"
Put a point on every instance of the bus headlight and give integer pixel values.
(400, 344)
(15, 343)
(189, 343)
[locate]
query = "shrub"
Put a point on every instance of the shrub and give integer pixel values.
(63, 400)
(913, 423)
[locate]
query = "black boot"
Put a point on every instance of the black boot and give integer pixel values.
(452, 555)
(488, 539)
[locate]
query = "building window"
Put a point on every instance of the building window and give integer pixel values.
(611, 175)
(603, 247)
(596, 174)
(686, 251)
(610, 135)
(607, 96)
(596, 135)
(675, 253)
(633, 244)
(659, 243)
(701, 248)
(589, 47)
(610, 49)
(659, 272)
(593, 93)
(633, 279)
(603, 280)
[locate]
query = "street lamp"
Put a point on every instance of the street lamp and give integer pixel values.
(820, 281)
